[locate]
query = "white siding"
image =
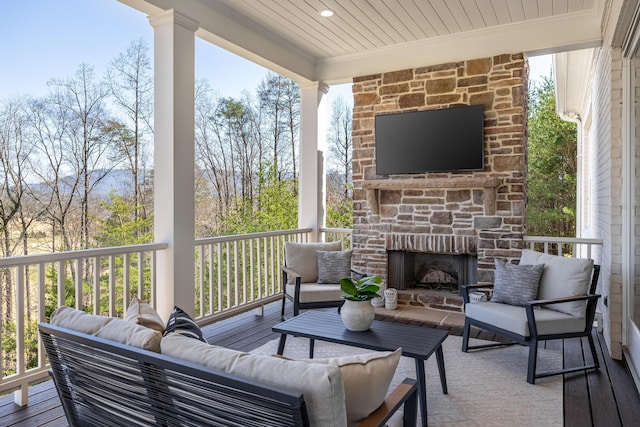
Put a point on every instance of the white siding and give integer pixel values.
(605, 168)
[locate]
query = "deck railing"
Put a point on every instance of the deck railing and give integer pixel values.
(245, 270)
(565, 246)
(241, 272)
(100, 281)
(233, 274)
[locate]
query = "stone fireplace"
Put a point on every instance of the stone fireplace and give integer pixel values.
(478, 215)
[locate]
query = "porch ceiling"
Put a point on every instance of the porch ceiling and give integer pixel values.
(373, 36)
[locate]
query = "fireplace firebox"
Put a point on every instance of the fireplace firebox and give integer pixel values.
(436, 271)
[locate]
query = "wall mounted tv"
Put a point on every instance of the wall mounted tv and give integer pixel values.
(449, 139)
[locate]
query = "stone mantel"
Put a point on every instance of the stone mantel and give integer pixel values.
(487, 184)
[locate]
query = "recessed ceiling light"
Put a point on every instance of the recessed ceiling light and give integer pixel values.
(326, 13)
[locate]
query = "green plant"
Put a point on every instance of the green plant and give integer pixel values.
(362, 290)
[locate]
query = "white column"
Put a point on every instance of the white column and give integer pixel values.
(311, 208)
(174, 211)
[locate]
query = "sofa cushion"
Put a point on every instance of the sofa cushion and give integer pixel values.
(333, 266)
(181, 323)
(320, 384)
(302, 258)
(143, 314)
(562, 277)
(516, 284)
(514, 318)
(366, 379)
(106, 327)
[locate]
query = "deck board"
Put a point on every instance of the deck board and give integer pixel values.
(606, 398)
(601, 394)
(575, 387)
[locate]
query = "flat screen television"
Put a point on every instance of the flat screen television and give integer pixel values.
(449, 139)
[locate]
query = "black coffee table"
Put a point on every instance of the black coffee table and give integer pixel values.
(417, 342)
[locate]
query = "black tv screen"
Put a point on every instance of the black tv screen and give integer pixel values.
(450, 139)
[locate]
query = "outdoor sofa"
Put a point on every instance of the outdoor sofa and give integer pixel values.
(109, 372)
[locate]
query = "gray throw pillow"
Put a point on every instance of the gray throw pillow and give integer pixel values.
(333, 266)
(516, 284)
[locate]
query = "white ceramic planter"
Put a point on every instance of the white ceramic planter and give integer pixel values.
(357, 315)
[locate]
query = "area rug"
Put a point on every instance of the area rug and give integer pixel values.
(486, 387)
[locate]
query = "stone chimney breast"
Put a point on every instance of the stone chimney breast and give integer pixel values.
(480, 213)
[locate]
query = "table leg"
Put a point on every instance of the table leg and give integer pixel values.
(441, 370)
(312, 344)
(281, 343)
(422, 390)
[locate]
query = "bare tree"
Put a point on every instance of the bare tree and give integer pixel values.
(57, 193)
(81, 99)
(211, 178)
(131, 85)
(279, 101)
(341, 145)
(12, 164)
(292, 110)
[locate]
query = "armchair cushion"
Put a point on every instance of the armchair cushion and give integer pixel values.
(316, 292)
(514, 319)
(333, 266)
(562, 277)
(302, 258)
(516, 284)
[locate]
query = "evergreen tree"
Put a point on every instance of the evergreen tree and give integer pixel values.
(552, 166)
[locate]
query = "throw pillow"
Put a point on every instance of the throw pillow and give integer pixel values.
(516, 284)
(333, 266)
(143, 314)
(562, 277)
(366, 380)
(181, 323)
(106, 327)
(302, 258)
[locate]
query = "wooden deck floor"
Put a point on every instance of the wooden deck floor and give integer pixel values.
(606, 398)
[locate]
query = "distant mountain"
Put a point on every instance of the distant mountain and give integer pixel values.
(118, 180)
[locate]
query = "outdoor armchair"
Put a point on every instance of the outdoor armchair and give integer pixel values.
(311, 275)
(545, 297)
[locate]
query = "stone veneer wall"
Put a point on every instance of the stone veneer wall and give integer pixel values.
(481, 212)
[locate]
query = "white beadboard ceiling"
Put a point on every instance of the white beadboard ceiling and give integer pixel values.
(372, 36)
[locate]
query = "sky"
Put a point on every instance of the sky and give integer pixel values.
(45, 39)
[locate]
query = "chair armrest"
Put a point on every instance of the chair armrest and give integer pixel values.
(536, 303)
(465, 289)
(406, 393)
(360, 274)
(531, 305)
(290, 272)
